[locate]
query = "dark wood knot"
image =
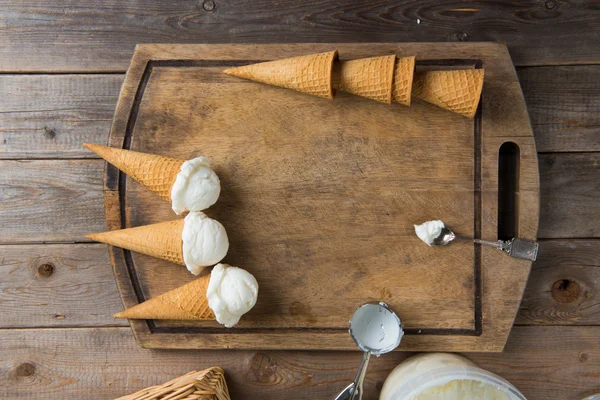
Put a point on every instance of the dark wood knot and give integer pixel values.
(49, 133)
(264, 369)
(25, 369)
(46, 270)
(566, 290)
(550, 5)
(208, 5)
(462, 36)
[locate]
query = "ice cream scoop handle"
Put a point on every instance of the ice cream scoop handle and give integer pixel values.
(360, 377)
(499, 244)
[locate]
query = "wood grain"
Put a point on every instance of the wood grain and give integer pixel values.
(543, 362)
(563, 104)
(61, 200)
(50, 200)
(57, 285)
(101, 36)
(320, 197)
(80, 290)
(564, 286)
(50, 116)
(570, 195)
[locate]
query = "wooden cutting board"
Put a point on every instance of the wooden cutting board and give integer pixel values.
(319, 197)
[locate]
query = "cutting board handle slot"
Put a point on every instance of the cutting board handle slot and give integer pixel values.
(508, 190)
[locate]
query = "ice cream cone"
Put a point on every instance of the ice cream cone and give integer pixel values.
(403, 80)
(162, 240)
(310, 74)
(157, 173)
(366, 77)
(187, 302)
(458, 91)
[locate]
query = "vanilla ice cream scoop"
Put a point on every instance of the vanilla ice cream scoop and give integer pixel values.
(205, 242)
(429, 230)
(196, 186)
(231, 293)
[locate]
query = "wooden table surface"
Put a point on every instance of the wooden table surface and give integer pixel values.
(61, 67)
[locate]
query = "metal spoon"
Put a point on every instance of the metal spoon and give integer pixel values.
(515, 247)
(376, 330)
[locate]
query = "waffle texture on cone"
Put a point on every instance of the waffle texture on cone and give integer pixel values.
(187, 302)
(162, 240)
(458, 91)
(157, 173)
(366, 77)
(310, 74)
(404, 71)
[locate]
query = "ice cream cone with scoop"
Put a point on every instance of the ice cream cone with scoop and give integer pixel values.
(224, 295)
(196, 241)
(188, 185)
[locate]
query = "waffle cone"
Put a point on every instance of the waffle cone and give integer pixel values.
(366, 77)
(162, 240)
(458, 91)
(157, 173)
(187, 302)
(403, 80)
(309, 74)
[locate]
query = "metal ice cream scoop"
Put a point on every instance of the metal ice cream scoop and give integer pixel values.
(514, 247)
(376, 330)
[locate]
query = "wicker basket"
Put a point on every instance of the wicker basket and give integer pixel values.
(198, 385)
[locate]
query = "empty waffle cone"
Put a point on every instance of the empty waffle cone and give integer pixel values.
(187, 302)
(162, 240)
(157, 173)
(404, 72)
(310, 74)
(366, 77)
(458, 91)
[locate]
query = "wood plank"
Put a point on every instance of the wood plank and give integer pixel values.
(569, 195)
(50, 200)
(549, 362)
(543, 362)
(57, 285)
(564, 285)
(82, 289)
(58, 112)
(101, 35)
(563, 104)
(50, 116)
(61, 200)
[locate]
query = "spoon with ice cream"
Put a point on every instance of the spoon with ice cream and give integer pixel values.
(437, 233)
(376, 330)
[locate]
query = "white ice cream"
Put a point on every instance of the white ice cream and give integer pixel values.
(205, 242)
(196, 186)
(462, 389)
(429, 230)
(436, 376)
(232, 292)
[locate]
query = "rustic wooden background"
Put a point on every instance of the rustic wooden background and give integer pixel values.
(61, 67)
